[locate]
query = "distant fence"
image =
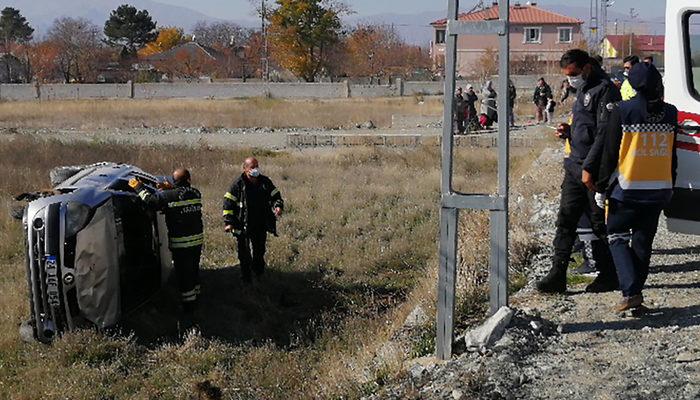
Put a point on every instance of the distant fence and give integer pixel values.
(181, 90)
(142, 91)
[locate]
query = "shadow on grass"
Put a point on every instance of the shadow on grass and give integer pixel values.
(656, 318)
(290, 309)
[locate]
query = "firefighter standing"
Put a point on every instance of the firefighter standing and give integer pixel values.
(251, 208)
(638, 170)
(182, 205)
(595, 100)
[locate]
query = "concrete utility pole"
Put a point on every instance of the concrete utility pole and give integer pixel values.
(266, 55)
(593, 24)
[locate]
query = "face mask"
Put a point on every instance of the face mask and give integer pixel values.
(576, 82)
(626, 73)
(255, 172)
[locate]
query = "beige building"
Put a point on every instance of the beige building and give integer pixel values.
(538, 38)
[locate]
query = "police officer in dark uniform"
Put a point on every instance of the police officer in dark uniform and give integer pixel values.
(637, 172)
(182, 205)
(251, 207)
(596, 96)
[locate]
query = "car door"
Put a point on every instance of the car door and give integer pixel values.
(682, 84)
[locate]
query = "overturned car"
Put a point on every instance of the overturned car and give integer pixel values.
(94, 250)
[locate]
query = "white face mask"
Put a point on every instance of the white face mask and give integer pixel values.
(626, 73)
(255, 172)
(576, 82)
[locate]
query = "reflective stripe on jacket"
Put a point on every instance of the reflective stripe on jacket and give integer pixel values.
(639, 161)
(183, 214)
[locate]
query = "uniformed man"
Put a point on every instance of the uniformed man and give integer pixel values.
(637, 173)
(595, 100)
(182, 205)
(251, 208)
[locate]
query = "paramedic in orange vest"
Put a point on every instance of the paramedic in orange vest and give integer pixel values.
(638, 169)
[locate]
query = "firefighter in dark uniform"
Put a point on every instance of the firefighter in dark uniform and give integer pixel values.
(638, 170)
(182, 205)
(596, 97)
(251, 208)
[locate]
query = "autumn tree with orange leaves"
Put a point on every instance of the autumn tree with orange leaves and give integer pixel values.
(167, 39)
(301, 32)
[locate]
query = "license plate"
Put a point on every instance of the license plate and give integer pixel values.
(51, 269)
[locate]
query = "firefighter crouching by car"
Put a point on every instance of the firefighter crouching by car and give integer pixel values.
(182, 205)
(251, 207)
(636, 175)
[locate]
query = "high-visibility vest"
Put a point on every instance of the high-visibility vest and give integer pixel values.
(646, 157)
(627, 91)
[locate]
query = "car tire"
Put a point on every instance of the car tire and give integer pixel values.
(61, 174)
(26, 332)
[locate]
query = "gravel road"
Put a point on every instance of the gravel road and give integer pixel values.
(575, 346)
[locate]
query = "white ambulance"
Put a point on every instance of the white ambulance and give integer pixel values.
(682, 82)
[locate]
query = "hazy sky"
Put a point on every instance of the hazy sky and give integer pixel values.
(240, 9)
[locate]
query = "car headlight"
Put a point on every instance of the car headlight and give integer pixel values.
(77, 216)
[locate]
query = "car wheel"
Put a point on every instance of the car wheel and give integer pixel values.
(60, 174)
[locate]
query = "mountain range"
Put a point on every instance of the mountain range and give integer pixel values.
(414, 28)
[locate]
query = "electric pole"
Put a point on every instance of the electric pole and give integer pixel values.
(266, 55)
(594, 34)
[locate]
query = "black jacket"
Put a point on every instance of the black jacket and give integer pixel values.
(183, 214)
(541, 95)
(591, 115)
(236, 206)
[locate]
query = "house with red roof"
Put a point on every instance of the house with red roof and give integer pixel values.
(538, 37)
(617, 47)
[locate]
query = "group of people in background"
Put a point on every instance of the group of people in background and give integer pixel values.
(464, 110)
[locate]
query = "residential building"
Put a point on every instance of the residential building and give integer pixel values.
(617, 47)
(538, 38)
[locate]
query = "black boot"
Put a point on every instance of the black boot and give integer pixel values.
(554, 281)
(604, 282)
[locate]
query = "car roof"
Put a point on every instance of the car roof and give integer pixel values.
(102, 175)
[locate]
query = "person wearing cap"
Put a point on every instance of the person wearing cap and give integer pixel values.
(251, 208)
(182, 205)
(595, 100)
(636, 175)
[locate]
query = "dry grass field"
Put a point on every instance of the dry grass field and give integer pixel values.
(356, 253)
(257, 112)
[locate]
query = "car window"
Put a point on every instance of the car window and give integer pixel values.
(693, 51)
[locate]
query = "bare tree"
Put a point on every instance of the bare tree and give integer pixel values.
(80, 47)
(220, 35)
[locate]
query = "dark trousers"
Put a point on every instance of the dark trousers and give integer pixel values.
(186, 262)
(577, 201)
(461, 124)
(251, 252)
(631, 231)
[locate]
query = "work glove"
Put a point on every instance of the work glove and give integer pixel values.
(164, 185)
(600, 200)
(134, 183)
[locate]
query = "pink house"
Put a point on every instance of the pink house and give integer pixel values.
(538, 38)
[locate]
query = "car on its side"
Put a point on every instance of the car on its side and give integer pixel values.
(94, 251)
